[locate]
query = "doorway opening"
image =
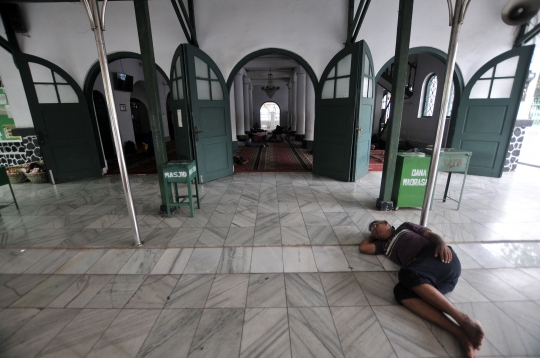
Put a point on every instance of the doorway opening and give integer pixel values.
(132, 114)
(269, 115)
(273, 113)
(423, 96)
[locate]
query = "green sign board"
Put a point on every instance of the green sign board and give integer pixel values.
(7, 123)
(412, 170)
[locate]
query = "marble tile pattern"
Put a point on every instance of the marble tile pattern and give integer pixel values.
(269, 266)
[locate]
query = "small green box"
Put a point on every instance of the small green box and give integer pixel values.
(410, 180)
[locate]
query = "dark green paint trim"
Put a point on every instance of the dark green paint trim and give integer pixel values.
(398, 87)
(88, 88)
(438, 54)
(269, 51)
(146, 44)
(234, 145)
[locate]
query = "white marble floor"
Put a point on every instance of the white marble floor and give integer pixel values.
(269, 266)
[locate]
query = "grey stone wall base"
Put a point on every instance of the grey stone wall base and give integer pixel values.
(514, 148)
(20, 152)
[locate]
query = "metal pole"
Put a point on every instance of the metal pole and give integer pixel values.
(455, 21)
(97, 26)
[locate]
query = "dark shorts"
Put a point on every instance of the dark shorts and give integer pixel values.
(427, 269)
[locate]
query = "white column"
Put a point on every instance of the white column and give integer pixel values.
(289, 105)
(293, 104)
(301, 102)
(310, 110)
(247, 117)
(239, 103)
(251, 105)
(233, 114)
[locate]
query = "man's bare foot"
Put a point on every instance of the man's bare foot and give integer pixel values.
(474, 331)
(468, 347)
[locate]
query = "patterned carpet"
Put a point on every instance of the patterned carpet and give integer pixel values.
(286, 156)
(376, 160)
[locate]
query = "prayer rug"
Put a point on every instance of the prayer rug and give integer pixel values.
(376, 160)
(288, 156)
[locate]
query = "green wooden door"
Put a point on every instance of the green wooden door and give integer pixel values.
(488, 109)
(364, 126)
(341, 150)
(61, 120)
(201, 113)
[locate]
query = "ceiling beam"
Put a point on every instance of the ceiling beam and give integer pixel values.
(187, 25)
(353, 30)
(523, 39)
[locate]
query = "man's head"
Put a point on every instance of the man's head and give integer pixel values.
(380, 229)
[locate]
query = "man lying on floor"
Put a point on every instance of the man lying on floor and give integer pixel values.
(430, 269)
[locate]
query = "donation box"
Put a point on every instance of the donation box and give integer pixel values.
(410, 180)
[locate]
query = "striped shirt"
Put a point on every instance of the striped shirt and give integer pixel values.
(404, 244)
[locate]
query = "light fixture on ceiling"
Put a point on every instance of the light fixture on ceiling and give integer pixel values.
(270, 89)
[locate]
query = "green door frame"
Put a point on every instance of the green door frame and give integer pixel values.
(88, 89)
(270, 51)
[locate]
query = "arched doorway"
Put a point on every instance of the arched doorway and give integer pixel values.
(269, 115)
(423, 94)
(272, 87)
(122, 99)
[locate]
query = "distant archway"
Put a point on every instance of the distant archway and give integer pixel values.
(270, 115)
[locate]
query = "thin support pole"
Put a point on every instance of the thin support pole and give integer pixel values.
(457, 20)
(94, 17)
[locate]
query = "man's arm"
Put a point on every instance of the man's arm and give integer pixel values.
(441, 250)
(367, 246)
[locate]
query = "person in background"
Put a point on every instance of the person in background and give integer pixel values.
(429, 270)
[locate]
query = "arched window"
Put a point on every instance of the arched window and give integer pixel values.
(430, 91)
(269, 115)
